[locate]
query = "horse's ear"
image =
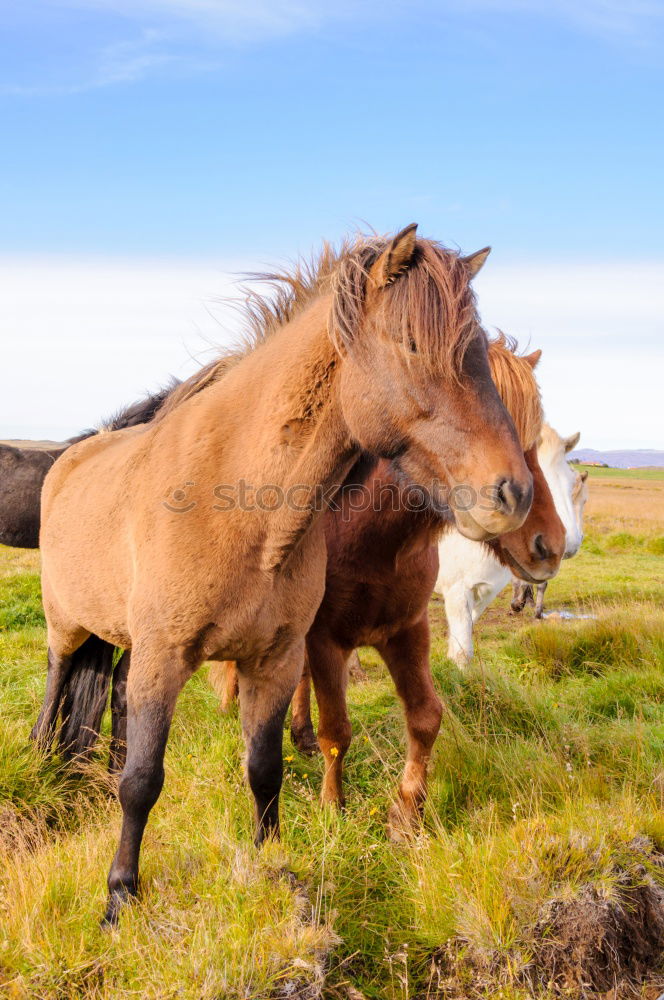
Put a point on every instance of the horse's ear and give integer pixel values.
(533, 359)
(584, 475)
(474, 262)
(395, 258)
(571, 442)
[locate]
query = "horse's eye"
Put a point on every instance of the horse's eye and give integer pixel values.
(412, 346)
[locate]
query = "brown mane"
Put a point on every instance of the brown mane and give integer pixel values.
(517, 387)
(433, 294)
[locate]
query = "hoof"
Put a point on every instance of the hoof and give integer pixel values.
(337, 805)
(117, 900)
(42, 738)
(402, 823)
(305, 741)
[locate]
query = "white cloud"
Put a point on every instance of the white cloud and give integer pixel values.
(82, 338)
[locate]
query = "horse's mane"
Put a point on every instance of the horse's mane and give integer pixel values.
(550, 441)
(517, 387)
(431, 303)
(142, 411)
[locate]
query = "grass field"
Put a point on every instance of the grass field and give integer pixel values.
(539, 871)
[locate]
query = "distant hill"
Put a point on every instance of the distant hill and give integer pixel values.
(637, 458)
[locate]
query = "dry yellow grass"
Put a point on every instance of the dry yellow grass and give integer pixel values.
(632, 505)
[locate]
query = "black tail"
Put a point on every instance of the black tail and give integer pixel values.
(85, 696)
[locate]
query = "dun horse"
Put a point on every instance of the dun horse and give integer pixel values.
(154, 540)
(381, 569)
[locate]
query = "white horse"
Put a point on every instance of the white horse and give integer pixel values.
(471, 577)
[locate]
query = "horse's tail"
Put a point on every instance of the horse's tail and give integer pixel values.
(85, 696)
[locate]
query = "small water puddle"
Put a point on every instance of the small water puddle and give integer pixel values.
(558, 616)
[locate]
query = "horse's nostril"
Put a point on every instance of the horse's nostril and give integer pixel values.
(505, 496)
(508, 496)
(539, 547)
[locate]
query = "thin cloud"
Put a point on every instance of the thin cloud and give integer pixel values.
(188, 36)
(181, 36)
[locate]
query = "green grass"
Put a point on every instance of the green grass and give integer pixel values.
(546, 790)
(599, 472)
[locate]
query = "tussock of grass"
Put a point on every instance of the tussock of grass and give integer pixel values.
(491, 897)
(602, 543)
(617, 639)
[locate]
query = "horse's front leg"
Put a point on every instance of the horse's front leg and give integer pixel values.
(539, 604)
(327, 663)
(407, 658)
(153, 684)
(266, 688)
(458, 611)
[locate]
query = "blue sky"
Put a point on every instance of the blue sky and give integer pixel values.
(216, 134)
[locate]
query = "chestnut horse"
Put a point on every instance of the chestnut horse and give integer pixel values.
(381, 570)
(575, 494)
(377, 349)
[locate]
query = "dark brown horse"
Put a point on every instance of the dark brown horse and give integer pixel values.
(378, 350)
(23, 469)
(381, 570)
(25, 464)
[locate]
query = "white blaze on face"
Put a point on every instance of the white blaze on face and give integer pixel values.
(562, 480)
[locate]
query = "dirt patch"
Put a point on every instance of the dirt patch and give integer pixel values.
(595, 944)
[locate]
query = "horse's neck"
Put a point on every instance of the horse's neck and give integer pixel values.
(384, 523)
(303, 446)
(560, 480)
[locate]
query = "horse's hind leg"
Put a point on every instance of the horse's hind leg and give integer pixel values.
(153, 685)
(522, 594)
(118, 749)
(61, 649)
(407, 658)
(302, 730)
(266, 689)
(56, 677)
